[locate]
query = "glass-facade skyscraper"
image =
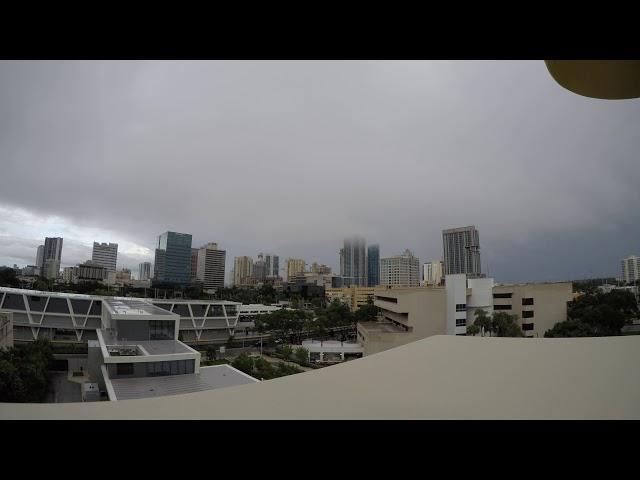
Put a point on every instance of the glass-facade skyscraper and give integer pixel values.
(173, 259)
(373, 265)
(353, 262)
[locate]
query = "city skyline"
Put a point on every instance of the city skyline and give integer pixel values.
(546, 175)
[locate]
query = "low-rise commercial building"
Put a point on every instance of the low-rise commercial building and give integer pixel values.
(410, 314)
(355, 296)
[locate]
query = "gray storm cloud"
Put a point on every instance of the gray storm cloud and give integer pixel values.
(291, 157)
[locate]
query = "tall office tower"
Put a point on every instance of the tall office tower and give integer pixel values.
(173, 259)
(259, 269)
(40, 256)
(272, 264)
(242, 270)
(461, 251)
(401, 270)
(373, 265)
(321, 269)
(51, 257)
(353, 262)
(105, 255)
(294, 267)
(433, 273)
(144, 271)
(211, 266)
(631, 269)
(194, 264)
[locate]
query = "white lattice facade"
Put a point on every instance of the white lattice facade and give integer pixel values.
(70, 317)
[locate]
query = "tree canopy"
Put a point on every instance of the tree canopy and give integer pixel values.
(499, 324)
(597, 314)
(24, 372)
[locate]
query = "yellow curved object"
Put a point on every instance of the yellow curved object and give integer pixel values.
(606, 79)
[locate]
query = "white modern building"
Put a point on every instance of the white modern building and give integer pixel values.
(433, 273)
(106, 255)
(331, 351)
(631, 269)
(401, 270)
(464, 297)
(210, 269)
(74, 318)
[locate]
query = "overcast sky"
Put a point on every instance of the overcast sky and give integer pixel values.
(291, 157)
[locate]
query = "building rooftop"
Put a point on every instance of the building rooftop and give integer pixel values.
(140, 348)
(209, 378)
(380, 327)
(134, 307)
(440, 377)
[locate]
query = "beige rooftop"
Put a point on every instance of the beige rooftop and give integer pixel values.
(441, 377)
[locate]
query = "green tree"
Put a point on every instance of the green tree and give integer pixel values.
(505, 325)
(8, 277)
(597, 315)
(473, 329)
(244, 363)
(287, 351)
(482, 322)
(24, 372)
(301, 355)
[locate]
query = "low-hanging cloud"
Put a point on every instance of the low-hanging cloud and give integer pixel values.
(291, 157)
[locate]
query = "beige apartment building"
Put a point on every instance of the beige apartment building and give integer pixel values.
(354, 296)
(539, 306)
(407, 314)
(295, 266)
(410, 314)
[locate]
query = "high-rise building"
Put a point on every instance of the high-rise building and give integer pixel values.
(294, 267)
(194, 264)
(242, 269)
(433, 273)
(373, 265)
(211, 266)
(321, 269)
(144, 271)
(173, 259)
(105, 254)
(401, 270)
(631, 269)
(461, 251)
(353, 262)
(51, 257)
(272, 264)
(40, 257)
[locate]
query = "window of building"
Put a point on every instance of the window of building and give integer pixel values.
(461, 322)
(527, 314)
(502, 295)
(161, 330)
(502, 307)
(124, 368)
(527, 327)
(461, 307)
(527, 301)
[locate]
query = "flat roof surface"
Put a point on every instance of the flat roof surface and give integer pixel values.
(134, 306)
(209, 378)
(50, 294)
(440, 377)
(194, 302)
